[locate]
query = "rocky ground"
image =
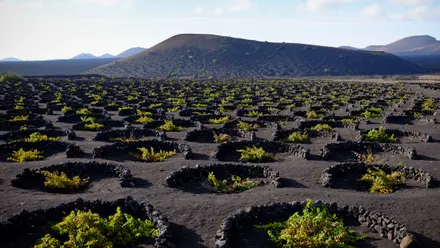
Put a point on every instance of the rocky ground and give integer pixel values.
(196, 217)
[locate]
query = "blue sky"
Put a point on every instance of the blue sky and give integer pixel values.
(59, 29)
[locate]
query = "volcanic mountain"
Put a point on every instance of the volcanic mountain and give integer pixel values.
(213, 56)
(10, 59)
(417, 45)
(130, 52)
(84, 56)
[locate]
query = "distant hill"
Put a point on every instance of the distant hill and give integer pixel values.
(423, 50)
(410, 46)
(413, 45)
(84, 56)
(372, 48)
(349, 47)
(53, 67)
(9, 59)
(76, 65)
(107, 56)
(127, 53)
(130, 52)
(202, 56)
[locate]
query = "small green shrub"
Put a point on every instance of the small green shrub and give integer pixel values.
(285, 100)
(90, 124)
(87, 229)
(273, 110)
(199, 105)
(125, 108)
(57, 180)
(23, 156)
(379, 135)
(65, 109)
(221, 138)
(235, 184)
(178, 101)
(19, 118)
(221, 120)
(169, 126)
(155, 105)
(429, 104)
(256, 155)
(247, 126)
(224, 110)
(322, 127)
(298, 137)
(381, 182)
(151, 156)
(246, 100)
(142, 113)
(367, 158)
(375, 109)
(48, 242)
(173, 109)
(23, 128)
(370, 114)
(244, 105)
(316, 227)
(254, 114)
(83, 111)
(37, 137)
(87, 119)
(312, 115)
(143, 119)
(93, 126)
(350, 120)
(132, 98)
(418, 115)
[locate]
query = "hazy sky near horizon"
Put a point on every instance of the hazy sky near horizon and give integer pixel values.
(61, 29)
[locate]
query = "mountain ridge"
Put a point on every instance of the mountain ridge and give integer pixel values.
(84, 56)
(416, 45)
(214, 56)
(130, 52)
(10, 59)
(127, 53)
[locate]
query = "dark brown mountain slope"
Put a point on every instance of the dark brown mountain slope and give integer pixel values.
(201, 56)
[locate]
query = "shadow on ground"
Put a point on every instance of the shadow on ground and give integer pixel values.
(199, 156)
(426, 242)
(426, 158)
(184, 237)
(141, 183)
(290, 183)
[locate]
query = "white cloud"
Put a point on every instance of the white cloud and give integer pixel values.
(374, 10)
(38, 3)
(22, 4)
(322, 5)
(232, 6)
(410, 2)
(417, 13)
(109, 3)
